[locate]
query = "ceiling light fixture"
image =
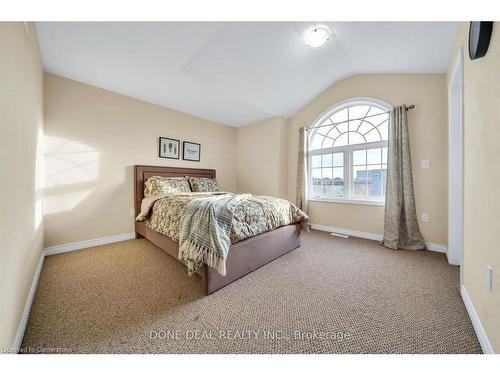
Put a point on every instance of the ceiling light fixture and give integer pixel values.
(317, 36)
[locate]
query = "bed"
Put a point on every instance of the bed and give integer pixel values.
(243, 257)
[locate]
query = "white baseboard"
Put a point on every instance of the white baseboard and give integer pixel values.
(436, 247)
(348, 232)
(58, 249)
(373, 236)
(476, 323)
(51, 251)
(18, 340)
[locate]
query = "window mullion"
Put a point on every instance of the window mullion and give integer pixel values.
(347, 174)
(366, 176)
(321, 175)
(348, 126)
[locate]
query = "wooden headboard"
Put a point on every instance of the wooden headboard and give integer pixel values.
(143, 172)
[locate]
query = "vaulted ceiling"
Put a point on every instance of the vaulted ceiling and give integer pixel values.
(236, 73)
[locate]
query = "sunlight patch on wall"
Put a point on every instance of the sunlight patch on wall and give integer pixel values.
(70, 167)
(39, 173)
(64, 201)
(69, 162)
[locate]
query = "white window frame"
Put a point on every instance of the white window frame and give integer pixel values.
(349, 197)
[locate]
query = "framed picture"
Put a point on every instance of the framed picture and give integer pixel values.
(169, 148)
(191, 151)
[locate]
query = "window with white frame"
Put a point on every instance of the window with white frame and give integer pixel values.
(348, 152)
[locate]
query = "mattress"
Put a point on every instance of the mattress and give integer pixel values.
(253, 216)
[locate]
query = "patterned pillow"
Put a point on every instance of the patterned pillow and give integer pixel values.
(203, 184)
(158, 185)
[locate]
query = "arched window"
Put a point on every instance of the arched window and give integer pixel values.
(348, 152)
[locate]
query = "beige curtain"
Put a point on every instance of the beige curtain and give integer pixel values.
(302, 171)
(400, 225)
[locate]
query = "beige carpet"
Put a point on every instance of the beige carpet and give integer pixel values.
(330, 296)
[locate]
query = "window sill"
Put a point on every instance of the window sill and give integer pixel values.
(347, 201)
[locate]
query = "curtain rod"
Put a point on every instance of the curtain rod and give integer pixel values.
(411, 106)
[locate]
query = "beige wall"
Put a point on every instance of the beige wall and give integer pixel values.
(482, 178)
(21, 140)
(261, 156)
(429, 140)
(93, 138)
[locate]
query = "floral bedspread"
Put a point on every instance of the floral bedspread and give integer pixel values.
(255, 215)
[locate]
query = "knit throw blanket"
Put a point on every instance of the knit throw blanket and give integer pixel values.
(205, 227)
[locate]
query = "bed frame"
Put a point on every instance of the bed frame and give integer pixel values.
(244, 256)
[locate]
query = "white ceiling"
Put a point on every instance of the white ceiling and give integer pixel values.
(236, 73)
